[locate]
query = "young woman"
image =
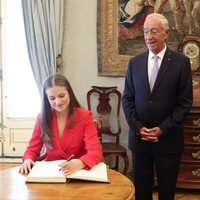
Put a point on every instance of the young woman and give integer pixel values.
(64, 128)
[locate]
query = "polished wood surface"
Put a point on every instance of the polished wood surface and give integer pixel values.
(5, 165)
(13, 186)
(189, 175)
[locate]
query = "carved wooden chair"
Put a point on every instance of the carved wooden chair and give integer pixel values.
(105, 103)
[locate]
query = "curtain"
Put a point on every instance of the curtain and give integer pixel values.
(43, 22)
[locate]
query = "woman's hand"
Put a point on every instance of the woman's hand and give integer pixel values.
(71, 166)
(25, 168)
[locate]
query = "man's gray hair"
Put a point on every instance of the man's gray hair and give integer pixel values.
(164, 20)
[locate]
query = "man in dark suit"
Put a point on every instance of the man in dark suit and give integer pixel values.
(155, 115)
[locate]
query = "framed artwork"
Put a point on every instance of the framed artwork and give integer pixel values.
(110, 62)
(120, 36)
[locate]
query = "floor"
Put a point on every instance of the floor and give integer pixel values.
(181, 194)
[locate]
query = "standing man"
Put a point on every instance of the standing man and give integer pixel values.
(155, 112)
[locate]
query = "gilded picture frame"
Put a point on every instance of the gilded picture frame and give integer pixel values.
(110, 63)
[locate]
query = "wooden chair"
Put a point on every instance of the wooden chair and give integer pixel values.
(106, 109)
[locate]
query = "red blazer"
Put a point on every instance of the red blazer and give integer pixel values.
(81, 140)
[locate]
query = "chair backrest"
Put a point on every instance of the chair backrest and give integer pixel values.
(105, 102)
(98, 124)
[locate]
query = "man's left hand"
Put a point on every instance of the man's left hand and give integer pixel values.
(152, 135)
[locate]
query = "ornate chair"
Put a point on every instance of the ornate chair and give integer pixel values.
(105, 102)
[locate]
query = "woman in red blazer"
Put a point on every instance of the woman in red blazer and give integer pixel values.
(64, 128)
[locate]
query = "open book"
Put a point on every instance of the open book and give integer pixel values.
(48, 171)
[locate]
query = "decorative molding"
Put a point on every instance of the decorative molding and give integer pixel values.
(196, 122)
(196, 172)
(196, 138)
(196, 155)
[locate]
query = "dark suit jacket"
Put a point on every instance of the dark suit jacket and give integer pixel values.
(167, 105)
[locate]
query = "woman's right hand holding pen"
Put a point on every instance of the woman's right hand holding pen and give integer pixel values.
(71, 166)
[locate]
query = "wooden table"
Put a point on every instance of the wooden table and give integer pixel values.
(13, 187)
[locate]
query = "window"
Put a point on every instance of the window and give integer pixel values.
(22, 98)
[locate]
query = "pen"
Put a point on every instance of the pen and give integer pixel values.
(68, 159)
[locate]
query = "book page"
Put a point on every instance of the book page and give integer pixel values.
(46, 171)
(97, 173)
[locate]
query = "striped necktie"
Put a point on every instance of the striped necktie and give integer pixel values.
(154, 71)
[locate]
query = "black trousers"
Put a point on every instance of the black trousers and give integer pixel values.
(166, 167)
